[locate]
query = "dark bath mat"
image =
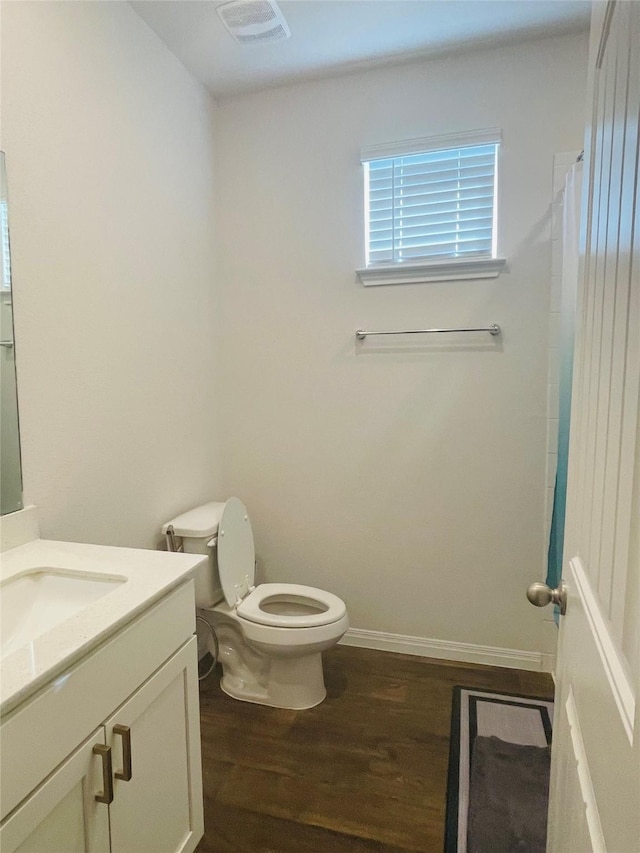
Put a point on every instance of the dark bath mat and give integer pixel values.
(497, 790)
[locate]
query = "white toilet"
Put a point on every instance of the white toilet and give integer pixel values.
(270, 637)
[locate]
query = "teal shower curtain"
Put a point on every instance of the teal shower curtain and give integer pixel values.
(570, 235)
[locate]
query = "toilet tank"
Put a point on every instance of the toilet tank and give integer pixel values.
(198, 530)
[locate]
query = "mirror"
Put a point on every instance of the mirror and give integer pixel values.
(10, 467)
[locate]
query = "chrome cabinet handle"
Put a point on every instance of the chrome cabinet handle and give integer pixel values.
(541, 595)
(125, 734)
(106, 795)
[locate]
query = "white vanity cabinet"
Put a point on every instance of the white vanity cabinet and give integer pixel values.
(133, 782)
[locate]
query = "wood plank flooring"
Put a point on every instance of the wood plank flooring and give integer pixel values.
(364, 771)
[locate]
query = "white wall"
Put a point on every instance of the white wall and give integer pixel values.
(109, 145)
(408, 478)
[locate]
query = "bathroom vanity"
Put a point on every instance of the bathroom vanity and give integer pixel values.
(100, 734)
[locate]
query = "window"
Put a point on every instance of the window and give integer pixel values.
(430, 209)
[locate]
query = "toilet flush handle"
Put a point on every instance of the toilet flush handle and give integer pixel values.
(212, 542)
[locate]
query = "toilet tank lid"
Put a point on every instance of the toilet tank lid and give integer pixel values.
(201, 521)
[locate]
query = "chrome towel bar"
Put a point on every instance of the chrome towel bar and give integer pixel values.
(493, 329)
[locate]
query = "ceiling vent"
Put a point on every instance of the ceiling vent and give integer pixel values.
(253, 21)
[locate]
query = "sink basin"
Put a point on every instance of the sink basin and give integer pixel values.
(37, 600)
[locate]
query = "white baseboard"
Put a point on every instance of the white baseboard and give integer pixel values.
(442, 649)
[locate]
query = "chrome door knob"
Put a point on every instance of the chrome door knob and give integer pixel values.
(541, 595)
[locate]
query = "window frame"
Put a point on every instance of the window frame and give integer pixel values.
(434, 268)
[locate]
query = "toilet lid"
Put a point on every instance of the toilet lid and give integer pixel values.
(236, 552)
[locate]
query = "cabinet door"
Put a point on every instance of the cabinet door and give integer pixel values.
(62, 813)
(158, 809)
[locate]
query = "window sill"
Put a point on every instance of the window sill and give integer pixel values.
(432, 271)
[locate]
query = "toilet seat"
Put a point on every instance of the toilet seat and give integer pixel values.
(328, 607)
(275, 605)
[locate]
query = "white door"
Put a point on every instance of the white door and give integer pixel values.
(62, 813)
(155, 743)
(595, 772)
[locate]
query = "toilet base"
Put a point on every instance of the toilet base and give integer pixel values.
(293, 683)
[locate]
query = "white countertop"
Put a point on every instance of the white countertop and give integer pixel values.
(149, 576)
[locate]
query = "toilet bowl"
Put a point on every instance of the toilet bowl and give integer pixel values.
(270, 636)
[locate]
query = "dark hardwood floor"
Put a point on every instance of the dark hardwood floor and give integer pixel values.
(364, 771)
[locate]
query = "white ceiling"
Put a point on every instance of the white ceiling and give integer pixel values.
(332, 36)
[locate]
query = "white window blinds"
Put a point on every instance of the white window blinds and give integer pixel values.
(432, 204)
